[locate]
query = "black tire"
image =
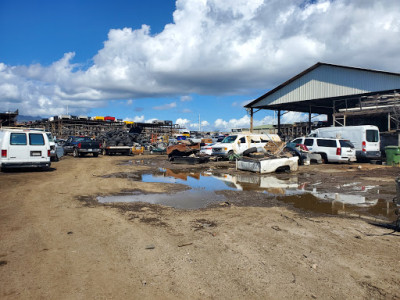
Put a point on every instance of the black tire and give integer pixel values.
(75, 153)
(250, 150)
(324, 158)
(95, 154)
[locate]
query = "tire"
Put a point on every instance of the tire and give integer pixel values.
(250, 150)
(75, 153)
(95, 154)
(324, 158)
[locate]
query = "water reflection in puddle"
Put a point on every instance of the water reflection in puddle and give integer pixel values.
(204, 186)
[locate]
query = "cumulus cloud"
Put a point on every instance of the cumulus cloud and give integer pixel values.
(182, 122)
(212, 47)
(165, 106)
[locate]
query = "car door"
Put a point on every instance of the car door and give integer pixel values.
(18, 147)
(309, 142)
(68, 147)
(242, 145)
(38, 148)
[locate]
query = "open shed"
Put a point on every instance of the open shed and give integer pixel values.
(347, 95)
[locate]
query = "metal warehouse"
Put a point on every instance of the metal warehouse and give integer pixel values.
(347, 95)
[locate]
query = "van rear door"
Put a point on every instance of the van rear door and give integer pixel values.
(18, 151)
(37, 147)
(372, 140)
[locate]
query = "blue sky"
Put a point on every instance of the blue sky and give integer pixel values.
(176, 60)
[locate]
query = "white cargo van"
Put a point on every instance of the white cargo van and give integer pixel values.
(21, 148)
(365, 138)
(238, 143)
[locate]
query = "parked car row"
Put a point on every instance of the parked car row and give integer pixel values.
(36, 148)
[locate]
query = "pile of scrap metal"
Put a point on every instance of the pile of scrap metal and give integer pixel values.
(186, 153)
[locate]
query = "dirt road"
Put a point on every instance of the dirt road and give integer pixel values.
(56, 246)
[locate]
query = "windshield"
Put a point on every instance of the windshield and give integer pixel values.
(83, 139)
(229, 139)
(372, 136)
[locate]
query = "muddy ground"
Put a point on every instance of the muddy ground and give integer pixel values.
(58, 242)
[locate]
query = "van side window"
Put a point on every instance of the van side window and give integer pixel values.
(308, 142)
(326, 143)
(36, 139)
(243, 140)
(18, 139)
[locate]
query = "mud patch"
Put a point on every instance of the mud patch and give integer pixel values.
(201, 224)
(153, 221)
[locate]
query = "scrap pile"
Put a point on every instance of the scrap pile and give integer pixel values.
(186, 153)
(117, 138)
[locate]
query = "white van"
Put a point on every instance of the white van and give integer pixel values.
(238, 143)
(21, 148)
(365, 138)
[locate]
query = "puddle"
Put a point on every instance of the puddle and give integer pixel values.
(206, 187)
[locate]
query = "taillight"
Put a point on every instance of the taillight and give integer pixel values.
(3, 153)
(79, 145)
(338, 151)
(364, 146)
(48, 153)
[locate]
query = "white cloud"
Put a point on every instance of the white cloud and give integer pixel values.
(187, 110)
(165, 106)
(136, 119)
(186, 98)
(182, 122)
(212, 47)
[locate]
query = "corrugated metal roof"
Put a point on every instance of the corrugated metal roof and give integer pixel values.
(323, 81)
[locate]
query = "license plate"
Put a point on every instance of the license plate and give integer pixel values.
(90, 150)
(36, 153)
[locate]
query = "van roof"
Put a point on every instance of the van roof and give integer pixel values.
(21, 130)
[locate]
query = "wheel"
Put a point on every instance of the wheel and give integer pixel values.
(324, 158)
(95, 154)
(75, 153)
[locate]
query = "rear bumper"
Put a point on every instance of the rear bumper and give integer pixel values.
(89, 150)
(26, 165)
(369, 154)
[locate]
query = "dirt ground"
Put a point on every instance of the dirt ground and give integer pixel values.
(58, 243)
